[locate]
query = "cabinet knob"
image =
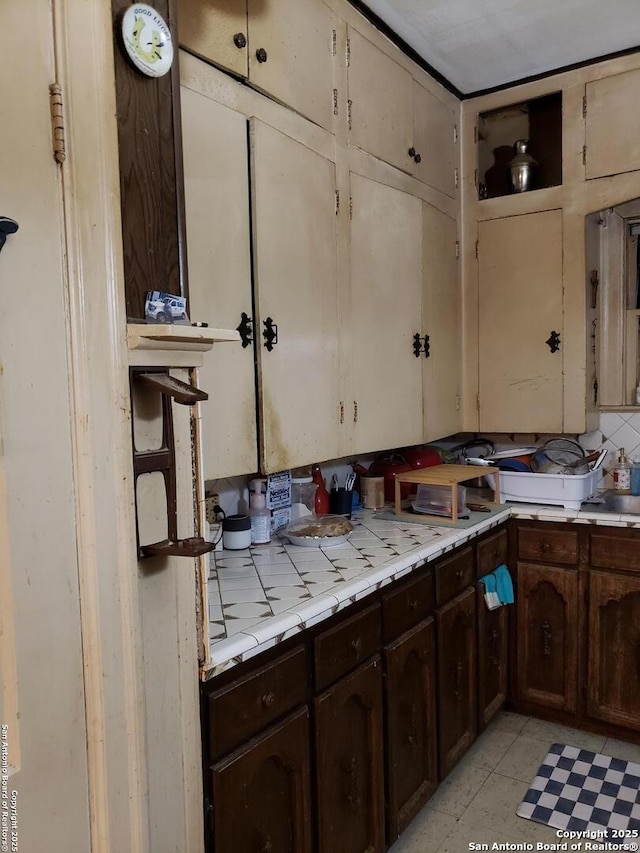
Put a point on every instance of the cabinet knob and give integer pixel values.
(417, 159)
(413, 605)
(411, 152)
(240, 40)
(270, 333)
(261, 54)
(267, 700)
(356, 645)
(417, 345)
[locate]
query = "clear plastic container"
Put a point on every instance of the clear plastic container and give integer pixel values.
(303, 495)
(436, 500)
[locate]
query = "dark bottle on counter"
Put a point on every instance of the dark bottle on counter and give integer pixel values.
(322, 495)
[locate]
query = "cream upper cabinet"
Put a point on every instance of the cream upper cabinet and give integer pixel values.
(216, 172)
(284, 47)
(434, 141)
(216, 30)
(296, 293)
(520, 322)
(380, 103)
(612, 125)
(386, 280)
(441, 323)
(297, 64)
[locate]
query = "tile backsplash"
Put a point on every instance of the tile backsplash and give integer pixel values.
(617, 429)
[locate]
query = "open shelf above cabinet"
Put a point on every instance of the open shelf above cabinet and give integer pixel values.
(538, 121)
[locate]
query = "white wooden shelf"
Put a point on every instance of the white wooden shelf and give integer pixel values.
(159, 344)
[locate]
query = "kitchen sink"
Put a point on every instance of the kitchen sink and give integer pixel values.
(611, 501)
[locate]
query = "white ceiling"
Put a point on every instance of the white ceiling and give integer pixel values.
(479, 44)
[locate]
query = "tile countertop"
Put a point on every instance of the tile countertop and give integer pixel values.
(268, 593)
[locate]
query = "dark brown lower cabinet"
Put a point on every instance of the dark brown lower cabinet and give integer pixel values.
(457, 699)
(493, 652)
(614, 649)
(261, 793)
(410, 704)
(547, 666)
(349, 763)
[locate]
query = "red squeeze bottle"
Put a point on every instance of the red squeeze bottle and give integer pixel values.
(322, 495)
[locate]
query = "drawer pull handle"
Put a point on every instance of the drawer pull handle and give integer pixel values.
(546, 639)
(413, 726)
(351, 793)
(356, 645)
(493, 657)
(458, 681)
(267, 700)
(459, 574)
(545, 547)
(413, 605)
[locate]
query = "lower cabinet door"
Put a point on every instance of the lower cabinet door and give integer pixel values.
(493, 651)
(457, 678)
(261, 793)
(410, 705)
(547, 665)
(614, 649)
(349, 751)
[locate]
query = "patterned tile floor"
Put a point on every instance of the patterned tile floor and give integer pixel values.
(477, 802)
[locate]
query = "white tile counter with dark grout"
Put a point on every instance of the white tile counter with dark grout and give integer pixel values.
(265, 594)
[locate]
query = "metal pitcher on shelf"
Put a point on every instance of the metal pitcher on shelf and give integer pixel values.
(522, 168)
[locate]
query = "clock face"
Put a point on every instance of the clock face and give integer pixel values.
(147, 40)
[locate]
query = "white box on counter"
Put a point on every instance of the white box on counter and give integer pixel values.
(567, 490)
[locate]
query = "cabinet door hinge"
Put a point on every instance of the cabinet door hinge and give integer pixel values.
(457, 249)
(457, 402)
(584, 155)
(478, 402)
(456, 177)
(347, 54)
(475, 178)
(337, 202)
(341, 412)
(349, 112)
(455, 133)
(57, 123)
(584, 106)
(350, 207)
(334, 42)
(335, 102)
(355, 411)
(477, 249)
(475, 135)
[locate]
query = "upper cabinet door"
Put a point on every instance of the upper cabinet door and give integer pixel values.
(434, 140)
(380, 95)
(216, 30)
(520, 309)
(612, 131)
(216, 173)
(291, 54)
(441, 370)
(295, 257)
(386, 281)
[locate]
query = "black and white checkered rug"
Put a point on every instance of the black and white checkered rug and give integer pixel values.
(576, 789)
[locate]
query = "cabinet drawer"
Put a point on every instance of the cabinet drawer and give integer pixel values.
(611, 551)
(343, 647)
(492, 552)
(548, 546)
(243, 708)
(404, 607)
(454, 575)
